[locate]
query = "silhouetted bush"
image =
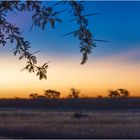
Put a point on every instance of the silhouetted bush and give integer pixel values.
(99, 96)
(33, 95)
(52, 94)
(118, 93)
(74, 93)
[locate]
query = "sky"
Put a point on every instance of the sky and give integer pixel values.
(111, 65)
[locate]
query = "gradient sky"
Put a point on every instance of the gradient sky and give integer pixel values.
(110, 66)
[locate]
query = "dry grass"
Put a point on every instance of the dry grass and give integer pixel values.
(53, 124)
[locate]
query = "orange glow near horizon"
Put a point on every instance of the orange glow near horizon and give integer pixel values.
(94, 78)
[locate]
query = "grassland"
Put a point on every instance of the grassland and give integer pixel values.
(42, 123)
(43, 118)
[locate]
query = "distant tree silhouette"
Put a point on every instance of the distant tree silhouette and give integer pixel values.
(118, 93)
(74, 93)
(16, 98)
(113, 93)
(33, 95)
(41, 16)
(51, 94)
(123, 92)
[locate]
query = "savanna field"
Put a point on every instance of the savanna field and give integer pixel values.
(70, 122)
(69, 69)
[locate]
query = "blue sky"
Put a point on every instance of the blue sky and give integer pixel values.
(117, 22)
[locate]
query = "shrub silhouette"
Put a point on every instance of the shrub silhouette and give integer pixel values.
(74, 93)
(99, 96)
(33, 95)
(51, 94)
(123, 92)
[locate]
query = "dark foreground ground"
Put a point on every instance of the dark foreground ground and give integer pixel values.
(71, 104)
(38, 119)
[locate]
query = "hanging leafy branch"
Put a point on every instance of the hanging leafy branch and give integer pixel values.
(41, 17)
(22, 49)
(83, 34)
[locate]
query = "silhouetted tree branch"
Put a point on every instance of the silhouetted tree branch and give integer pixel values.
(83, 34)
(42, 16)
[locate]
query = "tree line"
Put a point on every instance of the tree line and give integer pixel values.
(53, 94)
(75, 94)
